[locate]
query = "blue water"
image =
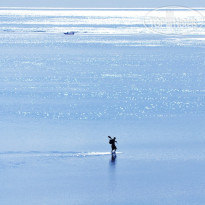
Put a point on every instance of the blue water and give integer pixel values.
(98, 74)
(61, 96)
(72, 80)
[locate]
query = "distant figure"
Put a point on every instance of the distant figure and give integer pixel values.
(112, 142)
(70, 33)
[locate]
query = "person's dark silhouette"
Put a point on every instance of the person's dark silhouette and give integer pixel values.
(112, 142)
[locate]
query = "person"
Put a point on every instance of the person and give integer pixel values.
(112, 142)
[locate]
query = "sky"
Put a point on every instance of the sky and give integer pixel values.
(102, 3)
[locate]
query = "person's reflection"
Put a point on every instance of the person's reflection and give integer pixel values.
(113, 160)
(112, 171)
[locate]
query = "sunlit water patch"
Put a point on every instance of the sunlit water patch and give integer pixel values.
(92, 21)
(97, 73)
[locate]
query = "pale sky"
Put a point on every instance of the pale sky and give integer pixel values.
(101, 3)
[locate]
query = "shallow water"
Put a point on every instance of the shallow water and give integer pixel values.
(72, 80)
(118, 74)
(61, 96)
(162, 161)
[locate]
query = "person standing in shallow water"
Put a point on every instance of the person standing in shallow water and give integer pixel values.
(112, 142)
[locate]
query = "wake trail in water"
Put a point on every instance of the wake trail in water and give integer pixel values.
(53, 154)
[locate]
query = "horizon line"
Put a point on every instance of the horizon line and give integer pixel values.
(92, 8)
